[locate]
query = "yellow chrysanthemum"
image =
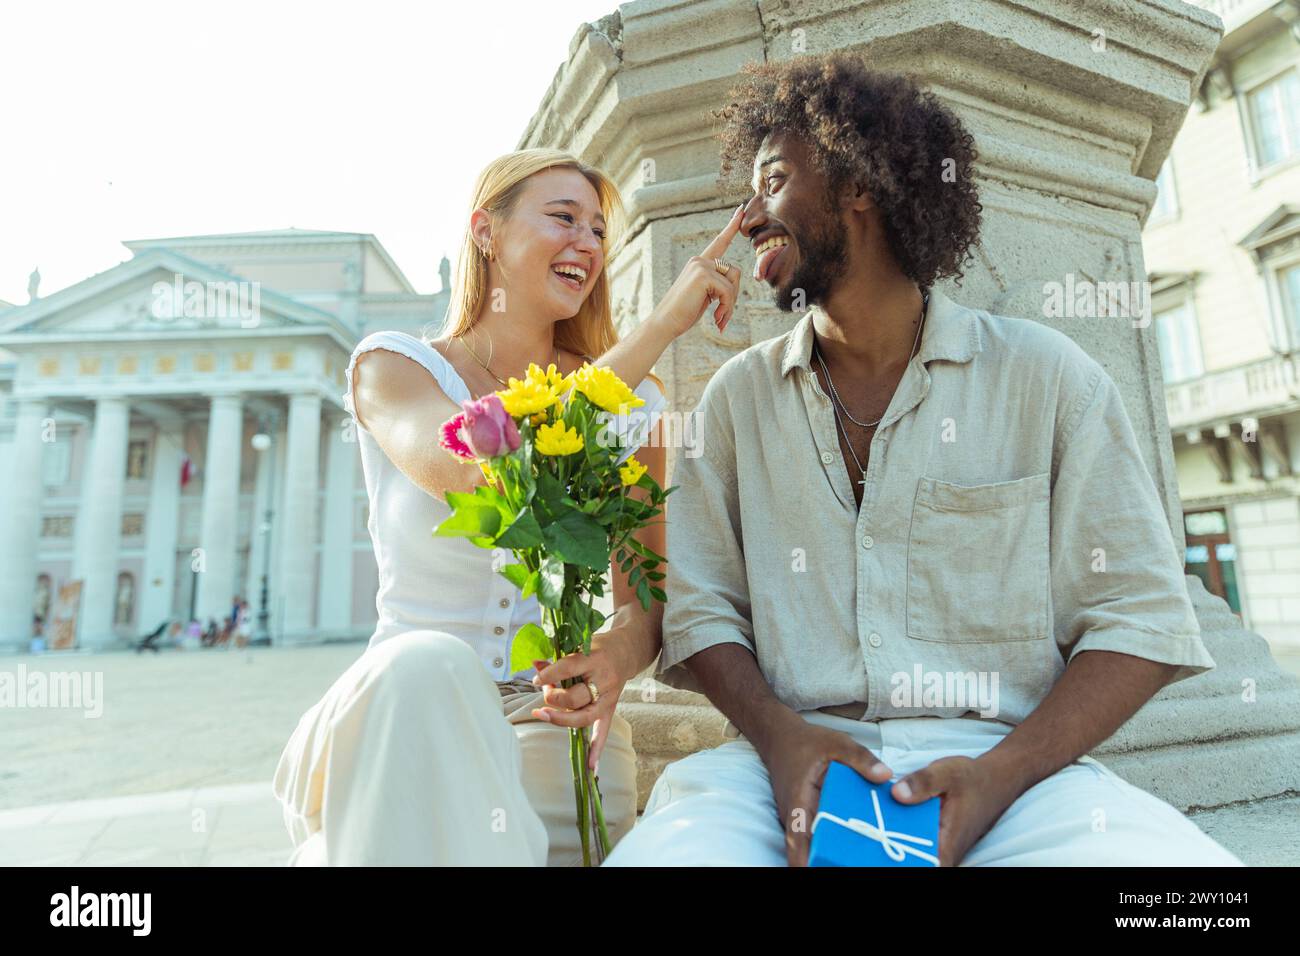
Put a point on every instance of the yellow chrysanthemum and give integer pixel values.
(488, 473)
(552, 375)
(538, 391)
(631, 471)
(555, 439)
(539, 417)
(605, 389)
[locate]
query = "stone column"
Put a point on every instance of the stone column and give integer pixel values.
(160, 526)
(217, 537)
(1073, 107)
(99, 523)
(20, 525)
(297, 523)
(334, 601)
(259, 535)
(279, 453)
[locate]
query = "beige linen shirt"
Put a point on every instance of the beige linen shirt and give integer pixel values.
(1007, 523)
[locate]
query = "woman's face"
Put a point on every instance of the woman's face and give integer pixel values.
(550, 250)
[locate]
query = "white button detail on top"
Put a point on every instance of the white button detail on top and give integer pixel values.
(827, 458)
(505, 602)
(497, 662)
(498, 629)
(874, 639)
(868, 541)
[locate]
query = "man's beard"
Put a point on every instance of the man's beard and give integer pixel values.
(822, 261)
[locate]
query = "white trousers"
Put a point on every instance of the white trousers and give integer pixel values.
(415, 756)
(716, 808)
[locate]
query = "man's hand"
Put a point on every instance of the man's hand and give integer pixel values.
(796, 761)
(973, 792)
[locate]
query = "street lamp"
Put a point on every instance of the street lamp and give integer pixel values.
(261, 443)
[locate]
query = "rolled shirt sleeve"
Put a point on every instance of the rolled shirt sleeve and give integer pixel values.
(706, 584)
(1117, 579)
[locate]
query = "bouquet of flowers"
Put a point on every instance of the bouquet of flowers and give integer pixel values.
(557, 498)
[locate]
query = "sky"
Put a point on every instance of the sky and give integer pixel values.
(136, 120)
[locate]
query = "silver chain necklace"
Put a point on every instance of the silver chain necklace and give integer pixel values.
(835, 396)
(856, 464)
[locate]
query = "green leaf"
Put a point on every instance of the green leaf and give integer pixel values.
(578, 539)
(470, 521)
(516, 574)
(550, 492)
(643, 595)
(550, 583)
(463, 499)
(524, 532)
(529, 586)
(530, 644)
(658, 594)
(488, 494)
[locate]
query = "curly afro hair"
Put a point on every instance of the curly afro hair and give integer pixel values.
(881, 129)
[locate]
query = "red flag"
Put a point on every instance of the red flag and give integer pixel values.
(187, 471)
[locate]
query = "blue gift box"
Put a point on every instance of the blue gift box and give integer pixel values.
(853, 829)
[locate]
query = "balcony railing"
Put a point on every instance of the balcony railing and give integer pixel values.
(1270, 385)
(1234, 13)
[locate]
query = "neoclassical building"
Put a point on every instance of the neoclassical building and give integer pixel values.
(129, 406)
(1223, 251)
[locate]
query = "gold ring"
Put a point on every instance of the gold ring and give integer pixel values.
(591, 689)
(722, 266)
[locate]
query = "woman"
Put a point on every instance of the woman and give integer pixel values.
(426, 751)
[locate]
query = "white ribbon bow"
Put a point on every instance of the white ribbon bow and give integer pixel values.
(886, 838)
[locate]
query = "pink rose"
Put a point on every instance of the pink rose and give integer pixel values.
(488, 427)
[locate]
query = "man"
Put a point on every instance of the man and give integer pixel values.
(902, 487)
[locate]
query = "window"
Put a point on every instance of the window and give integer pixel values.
(56, 464)
(1288, 284)
(1166, 196)
(1275, 119)
(56, 526)
(1180, 343)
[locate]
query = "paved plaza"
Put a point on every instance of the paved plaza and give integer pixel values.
(176, 770)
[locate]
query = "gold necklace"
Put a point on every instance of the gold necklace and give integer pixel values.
(491, 350)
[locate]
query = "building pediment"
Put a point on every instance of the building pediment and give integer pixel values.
(1281, 227)
(161, 292)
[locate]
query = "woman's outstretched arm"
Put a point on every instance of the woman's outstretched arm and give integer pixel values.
(402, 406)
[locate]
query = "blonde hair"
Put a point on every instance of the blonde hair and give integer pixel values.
(589, 332)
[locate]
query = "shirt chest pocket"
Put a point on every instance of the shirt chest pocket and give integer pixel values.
(977, 561)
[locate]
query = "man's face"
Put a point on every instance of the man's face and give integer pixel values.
(792, 225)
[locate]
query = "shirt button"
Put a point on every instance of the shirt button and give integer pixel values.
(874, 640)
(498, 629)
(497, 662)
(504, 602)
(827, 458)
(868, 541)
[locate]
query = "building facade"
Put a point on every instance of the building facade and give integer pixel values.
(172, 431)
(1222, 248)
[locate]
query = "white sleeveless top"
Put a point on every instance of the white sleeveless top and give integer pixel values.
(445, 584)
